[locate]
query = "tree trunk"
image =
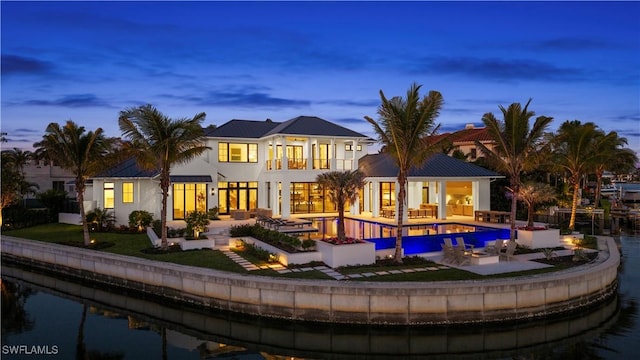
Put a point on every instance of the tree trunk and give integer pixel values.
(401, 196)
(515, 189)
(81, 351)
(530, 216)
(164, 184)
(574, 205)
(596, 202)
(341, 232)
(80, 196)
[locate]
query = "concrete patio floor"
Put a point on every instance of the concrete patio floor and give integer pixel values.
(219, 229)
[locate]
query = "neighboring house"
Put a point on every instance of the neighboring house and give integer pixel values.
(48, 177)
(273, 165)
(465, 140)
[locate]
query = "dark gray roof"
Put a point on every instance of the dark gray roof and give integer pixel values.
(127, 168)
(436, 166)
(190, 178)
(312, 125)
(243, 129)
(301, 125)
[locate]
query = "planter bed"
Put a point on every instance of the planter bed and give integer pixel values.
(284, 257)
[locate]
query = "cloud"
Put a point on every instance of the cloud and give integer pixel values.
(362, 103)
(73, 101)
(572, 44)
(498, 69)
(15, 64)
(245, 96)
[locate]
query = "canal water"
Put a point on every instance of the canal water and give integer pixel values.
(53, 318)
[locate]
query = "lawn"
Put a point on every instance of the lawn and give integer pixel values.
(138, 245)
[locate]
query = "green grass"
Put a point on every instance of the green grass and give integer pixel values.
(136, 244)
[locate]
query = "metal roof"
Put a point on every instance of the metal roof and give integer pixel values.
(436, 166)
(127, 169)
(243, 129)
(312, 125)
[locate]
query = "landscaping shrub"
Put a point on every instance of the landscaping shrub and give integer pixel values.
(54, 200)
(271, 237)
(213, 213)
(100, 220)
(17, 217)
(140, 219)
(196, 223)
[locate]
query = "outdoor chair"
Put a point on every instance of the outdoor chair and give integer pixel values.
(496, 248)
(466, 248)
(448, 253)
(509, 250)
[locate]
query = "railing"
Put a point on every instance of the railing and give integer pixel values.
(318, 164)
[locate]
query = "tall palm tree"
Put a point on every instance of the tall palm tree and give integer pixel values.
(614, 158)
(159, 142)
(85, 154)
(402, 127)
(516, 146)
(342, 188)
(18, 158)
(575, 151)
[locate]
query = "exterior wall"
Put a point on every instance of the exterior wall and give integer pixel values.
(146, 196)
(442, 302)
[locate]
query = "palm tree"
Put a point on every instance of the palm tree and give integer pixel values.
(85, 154)
(532, 193)
(159, 142)
(402, 127)
(576, 152)
(18, 158)
(342, 188)
(516, 146)
(614, 158)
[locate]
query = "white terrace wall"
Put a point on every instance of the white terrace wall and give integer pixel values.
(335, 301)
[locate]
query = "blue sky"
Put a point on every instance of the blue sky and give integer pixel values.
(86, 61)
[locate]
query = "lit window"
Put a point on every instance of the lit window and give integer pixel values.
(127, 192)
(230, 152)
(109, 195)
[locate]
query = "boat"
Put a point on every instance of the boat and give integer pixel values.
(609, 189)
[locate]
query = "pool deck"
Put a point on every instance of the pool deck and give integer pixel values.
(219, 228)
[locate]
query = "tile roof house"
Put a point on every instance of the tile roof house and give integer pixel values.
(268, 164)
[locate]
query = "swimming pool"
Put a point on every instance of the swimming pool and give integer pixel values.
(416, 239)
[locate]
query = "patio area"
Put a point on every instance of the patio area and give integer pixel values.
(218, 230)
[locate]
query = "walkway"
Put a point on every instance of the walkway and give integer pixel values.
(281, 269)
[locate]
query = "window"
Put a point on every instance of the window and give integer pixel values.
(387, 194)
(232, 152)
(58, 185)
(474, 153)
(349, 147)
(109, 195)
(187, 198)
(127, 192)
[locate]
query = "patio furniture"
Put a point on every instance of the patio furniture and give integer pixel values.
(508, 251)
(454, 254)
(495, 248)
(463, 246)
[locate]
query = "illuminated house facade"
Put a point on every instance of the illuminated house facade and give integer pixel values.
(273, 165)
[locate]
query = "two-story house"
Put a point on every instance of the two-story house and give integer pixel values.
(274, 165)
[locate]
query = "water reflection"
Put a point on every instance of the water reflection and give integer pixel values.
(211, 334)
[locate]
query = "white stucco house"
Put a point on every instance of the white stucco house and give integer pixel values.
(273, 165)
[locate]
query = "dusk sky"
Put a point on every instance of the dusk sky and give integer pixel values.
(86, 61)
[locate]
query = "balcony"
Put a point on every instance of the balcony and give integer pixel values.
(318, 164)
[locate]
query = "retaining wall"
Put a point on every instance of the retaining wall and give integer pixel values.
(451, 302)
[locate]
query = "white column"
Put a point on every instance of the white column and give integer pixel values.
(309, 154)
(274, 198)
(354, 161)
(442, 200)
(375, 212)
(333, 152)
(367, 200)
(286, 199)
(285, 160)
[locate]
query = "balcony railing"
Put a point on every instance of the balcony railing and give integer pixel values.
(318, 164)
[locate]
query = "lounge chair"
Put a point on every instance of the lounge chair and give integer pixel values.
(509, 250)
(448, 253)
(455, 254)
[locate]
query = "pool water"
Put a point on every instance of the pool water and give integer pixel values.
(416, 239)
